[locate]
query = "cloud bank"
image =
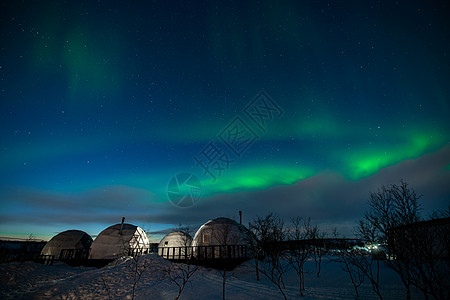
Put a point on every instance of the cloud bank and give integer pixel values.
(330, 199)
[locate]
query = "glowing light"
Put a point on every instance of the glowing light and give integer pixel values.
(255, 178)
(368, 161)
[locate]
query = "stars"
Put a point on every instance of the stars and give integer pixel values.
(153, 84)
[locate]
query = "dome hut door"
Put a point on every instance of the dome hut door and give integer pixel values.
(206, 237)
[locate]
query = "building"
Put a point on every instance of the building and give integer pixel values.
(176, 245)
(119, 240)
(426, 239)
(68, 240)
(221, 238)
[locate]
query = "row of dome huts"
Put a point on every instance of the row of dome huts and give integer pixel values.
(217, 238)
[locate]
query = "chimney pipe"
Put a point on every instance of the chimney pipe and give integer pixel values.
(121, 226)
(240, 217)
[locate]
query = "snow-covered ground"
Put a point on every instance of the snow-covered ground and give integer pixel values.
(35, 281)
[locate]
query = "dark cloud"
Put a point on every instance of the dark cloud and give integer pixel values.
(328, 198)
(111, 197)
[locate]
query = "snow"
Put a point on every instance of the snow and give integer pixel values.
(29, 280)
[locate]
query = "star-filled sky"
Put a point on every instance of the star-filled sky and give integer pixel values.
(295, 107)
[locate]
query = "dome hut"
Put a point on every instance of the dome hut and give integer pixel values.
(175, 245)
(119, 240)
(67, 240)
(221, 238)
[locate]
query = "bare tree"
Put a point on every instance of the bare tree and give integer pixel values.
(180, 273)
(255, 247)
(300, 251)
(370, 267)
(135, 247)
(350, 261)
(391, 207)
(225, 236)
(138, 267)
(139, 264)
(270, 232)
(319, 249)
(305, 243)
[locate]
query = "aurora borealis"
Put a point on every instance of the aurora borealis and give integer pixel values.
(103, 102)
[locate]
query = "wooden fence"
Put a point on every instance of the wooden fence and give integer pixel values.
(205, 252)
(21, 257)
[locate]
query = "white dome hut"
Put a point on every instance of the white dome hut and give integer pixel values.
(67, 240)
(220, 238)
(175, 245)
(119, 240)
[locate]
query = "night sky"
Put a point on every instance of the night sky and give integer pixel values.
(295, 107)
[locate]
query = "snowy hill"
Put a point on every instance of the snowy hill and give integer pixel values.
(60, 281)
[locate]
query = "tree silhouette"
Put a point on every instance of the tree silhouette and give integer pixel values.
(389, 207)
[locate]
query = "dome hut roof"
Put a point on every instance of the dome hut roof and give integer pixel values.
(220, 231)
(70, 239)
(176, 239)
(119, 240)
